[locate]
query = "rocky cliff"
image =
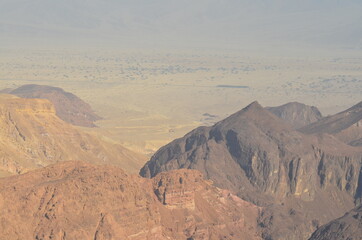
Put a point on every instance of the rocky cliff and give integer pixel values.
(68, 106)
(32, 136)
(75, 200)
(303, 181)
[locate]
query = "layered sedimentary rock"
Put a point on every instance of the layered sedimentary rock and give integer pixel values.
(303, 181)
(75, 200)
(296, 114)
(32, 136)
(68, 106)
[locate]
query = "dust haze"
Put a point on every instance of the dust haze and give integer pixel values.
(155, 70)
(206, 119)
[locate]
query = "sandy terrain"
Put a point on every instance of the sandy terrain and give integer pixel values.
(150, 98)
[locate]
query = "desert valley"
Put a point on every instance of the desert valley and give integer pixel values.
(261, 173)
(163, 120)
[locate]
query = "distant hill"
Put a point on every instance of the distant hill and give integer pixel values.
(348, 227)
(302, 181)
(296, 114)
(346, 125)
(75, 200)
(68, 107)
(32, 136)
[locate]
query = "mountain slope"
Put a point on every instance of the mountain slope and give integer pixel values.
(68, 107)
(75, 200)
(348, 227)
(296, 114)
(346, 125)
(32, 136)
(264, 160)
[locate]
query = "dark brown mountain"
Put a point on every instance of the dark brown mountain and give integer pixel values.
(69, 107)
(346, 125)
(348, 227)
(75, 200)
(301, 181)
(296, 114)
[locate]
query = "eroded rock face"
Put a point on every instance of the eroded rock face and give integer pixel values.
(32, 136)
(69, 107)
(348, 227)
(74, 200)
(296, 114)
(307, 180)
(346, 126)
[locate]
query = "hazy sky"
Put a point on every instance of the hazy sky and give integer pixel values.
(182, 23)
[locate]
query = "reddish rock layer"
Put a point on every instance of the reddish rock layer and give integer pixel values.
(74, 200)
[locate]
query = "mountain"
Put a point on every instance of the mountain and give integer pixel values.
(348, 227)
(346, 125)
(76, 200)
(69, 107)
(302, 180)
(296, 114)
(32, 136)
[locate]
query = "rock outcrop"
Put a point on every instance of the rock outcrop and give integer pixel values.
(348, 227)
(296, 114)
(68, 106)
(301, 180)
(32, 136)
(346, 126)
(75, 200)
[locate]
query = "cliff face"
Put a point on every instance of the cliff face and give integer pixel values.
(265, 161)
(296, 114)
(74, 200)
(32, 136)
(348, 227)
(69, 107)
(346, 126)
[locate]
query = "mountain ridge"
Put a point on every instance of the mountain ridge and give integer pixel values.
(265, 161)
(68, 106)
(345, 125)
(32, 136)
(297, 114)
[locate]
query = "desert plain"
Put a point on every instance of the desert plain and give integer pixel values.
(148, 98)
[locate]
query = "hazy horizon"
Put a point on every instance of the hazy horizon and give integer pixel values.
(210, 24)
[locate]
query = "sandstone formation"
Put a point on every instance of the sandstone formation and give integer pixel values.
(346, 126)
(32, 136)
(296, 114)
(69, 107)
(348, 227)
(75, 200)
(302, 181)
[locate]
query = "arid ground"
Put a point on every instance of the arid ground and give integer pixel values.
(149, 98)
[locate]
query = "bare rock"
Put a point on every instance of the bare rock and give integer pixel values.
(302, 181)
(346, 125)
(348, 227)
(75, 200)
(68, 106)
(296, 114)
(33, 136)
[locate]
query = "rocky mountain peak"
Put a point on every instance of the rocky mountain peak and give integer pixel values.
(257, 155)
(296, 114)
